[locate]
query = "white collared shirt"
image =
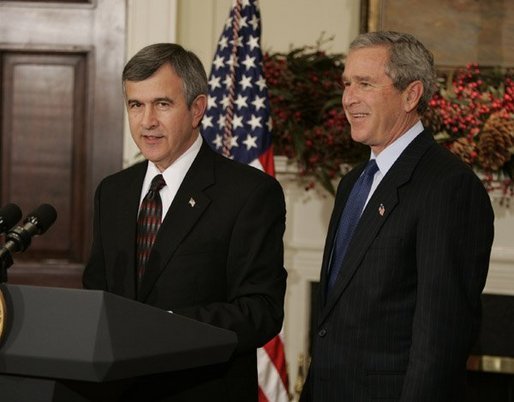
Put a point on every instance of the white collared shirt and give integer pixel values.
(391, 153)
(173, 176)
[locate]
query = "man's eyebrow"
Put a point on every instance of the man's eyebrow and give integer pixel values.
(357, 78)
(162, 99)
(155, 100)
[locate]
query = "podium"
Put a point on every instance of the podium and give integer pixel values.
(86, 345)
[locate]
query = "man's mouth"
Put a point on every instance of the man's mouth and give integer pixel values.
(358, 115)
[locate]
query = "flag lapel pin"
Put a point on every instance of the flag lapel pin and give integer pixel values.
(192, 202)
(381, 210)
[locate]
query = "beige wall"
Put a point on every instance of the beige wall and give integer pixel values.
(285, 23)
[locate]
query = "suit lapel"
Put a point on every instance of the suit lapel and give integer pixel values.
(343, 193)
(127, 210)
(385, 195)
(187, 207)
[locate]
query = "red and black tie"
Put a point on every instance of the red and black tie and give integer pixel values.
(148, 223)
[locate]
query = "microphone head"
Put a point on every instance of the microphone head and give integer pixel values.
(42, 217)
(10, 214)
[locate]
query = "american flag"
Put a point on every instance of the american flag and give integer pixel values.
(237, 122)
(238, 125)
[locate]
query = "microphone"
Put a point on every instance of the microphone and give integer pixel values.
(9, 216)
(36, 223)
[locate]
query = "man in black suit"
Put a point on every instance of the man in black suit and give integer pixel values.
(400, 309)
(218, 254)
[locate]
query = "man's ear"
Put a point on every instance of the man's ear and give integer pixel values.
(412, 95)
(198, 109)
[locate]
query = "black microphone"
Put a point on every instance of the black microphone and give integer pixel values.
(36, 223)
(9, 216)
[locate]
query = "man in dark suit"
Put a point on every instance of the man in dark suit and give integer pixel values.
(399, 309)
(218, 254)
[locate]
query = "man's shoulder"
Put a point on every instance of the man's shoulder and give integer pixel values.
(232, 170)
(127, 174)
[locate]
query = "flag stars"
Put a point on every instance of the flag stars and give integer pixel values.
(250, 142)
(214, 83)
(207, 122)
(238, 106)
(249, 62)
(211, 102)
(253, 42)
(223, 42)
(218, 62)
(232, 61)
(258, 102)
(261, 83)
(241, 101)
(233, 142)
(246, 82)
(221, 121)
(225, 102)
(254, 22)
(255, 122)
(237, 42)
(228, 23)
(228, 82)
(218, 141)
(237, 122)
(243, 23)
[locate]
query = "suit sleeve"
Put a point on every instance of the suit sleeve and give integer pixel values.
(94, 273)
(454, 238)
(256, 278)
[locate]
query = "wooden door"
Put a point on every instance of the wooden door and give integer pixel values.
(61, 123)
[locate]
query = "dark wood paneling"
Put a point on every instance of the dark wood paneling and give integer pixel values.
(42, 146)
(61, 127)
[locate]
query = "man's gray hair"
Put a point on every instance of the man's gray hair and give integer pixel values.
(185, 64)
(409, 60)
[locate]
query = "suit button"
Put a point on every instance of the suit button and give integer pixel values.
(322, 332)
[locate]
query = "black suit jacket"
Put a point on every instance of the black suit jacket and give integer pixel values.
(219, 261)
(399, 323)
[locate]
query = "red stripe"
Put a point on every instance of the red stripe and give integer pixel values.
(262, 397)
(267, 162)
(275, 350)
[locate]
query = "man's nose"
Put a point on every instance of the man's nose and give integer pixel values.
(149, 118)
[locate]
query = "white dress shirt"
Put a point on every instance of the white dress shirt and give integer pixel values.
(173, 176)
(391, 153)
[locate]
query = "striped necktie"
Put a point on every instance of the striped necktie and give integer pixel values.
(148, 223)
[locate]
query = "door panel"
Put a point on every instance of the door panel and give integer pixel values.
(61, 123)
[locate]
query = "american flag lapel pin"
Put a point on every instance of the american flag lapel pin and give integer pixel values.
(192, 202)
(381, 210)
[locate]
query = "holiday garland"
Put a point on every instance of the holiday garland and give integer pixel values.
(472, 114)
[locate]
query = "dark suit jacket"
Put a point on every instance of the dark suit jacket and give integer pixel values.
(405, 310)
(220, 262)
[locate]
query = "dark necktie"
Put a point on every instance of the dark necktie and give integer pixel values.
(148, 223)
(349, 219)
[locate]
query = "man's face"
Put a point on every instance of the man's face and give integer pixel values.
(375, 109)
(161, 124)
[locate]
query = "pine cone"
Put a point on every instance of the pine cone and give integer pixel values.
(464, 149)
(496, 141)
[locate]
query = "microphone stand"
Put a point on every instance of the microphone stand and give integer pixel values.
(5, 262)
